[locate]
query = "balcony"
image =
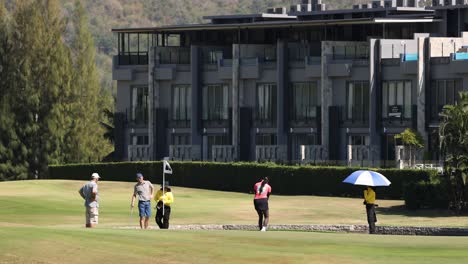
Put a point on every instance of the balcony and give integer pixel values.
(313, 67)
(223, 153)
(132, 58)
(273, 153)
(180, 152)
(225, 69)
(313, 154)
(362, 156)
(139, 153)
(409, 64)
(249, 68)
(173, 55)
(459, 62)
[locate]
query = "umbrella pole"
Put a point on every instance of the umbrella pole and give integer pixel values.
(164, 179)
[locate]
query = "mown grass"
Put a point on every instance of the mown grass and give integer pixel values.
(42, 222)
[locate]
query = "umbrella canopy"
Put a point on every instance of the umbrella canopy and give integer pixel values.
(368, 178)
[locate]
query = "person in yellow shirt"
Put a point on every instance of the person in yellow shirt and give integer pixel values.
(369, 201)
(167, 198)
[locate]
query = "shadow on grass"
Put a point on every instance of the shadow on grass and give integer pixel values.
(431, 213)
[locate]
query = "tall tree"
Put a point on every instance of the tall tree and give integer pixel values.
(454, 147)
(42, 82)
(84, 140)
(12, 153)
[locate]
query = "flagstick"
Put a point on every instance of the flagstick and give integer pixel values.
(164, 180)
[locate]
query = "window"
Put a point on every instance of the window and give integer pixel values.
(266, 101)
(396, 96)
(215, 102)
(443, 92)
(140, 105)
(181, 102)
(140, 140)
(358, 140)
(265, 139)
(305, 100)
(212, 56)
(180, 139)
(358, 101)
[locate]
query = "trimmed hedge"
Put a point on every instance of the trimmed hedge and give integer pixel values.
(240, 177)
(426, 195)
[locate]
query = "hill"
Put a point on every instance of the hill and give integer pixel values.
(107, 14)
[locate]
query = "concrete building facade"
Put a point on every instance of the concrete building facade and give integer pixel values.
(297, 85)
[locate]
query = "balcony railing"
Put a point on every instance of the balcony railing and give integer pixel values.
(270, 153)
(362, 155)
(139, 152)
(180, 152)
(223, 153)
(133, 58)
(355, 52)
(173, 55)
(312, 153)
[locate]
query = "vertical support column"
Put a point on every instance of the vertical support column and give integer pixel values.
(326, 98)
(421, 89)
(196, 104)
(282, 98)
(235, 99)
(152, 104)
(375, 111)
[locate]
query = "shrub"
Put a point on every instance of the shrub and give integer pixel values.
(240, 177)
(426, 195)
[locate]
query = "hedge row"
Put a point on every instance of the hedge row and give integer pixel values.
(240, 177)
(426, 195)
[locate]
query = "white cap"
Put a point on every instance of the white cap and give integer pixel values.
(95, 176)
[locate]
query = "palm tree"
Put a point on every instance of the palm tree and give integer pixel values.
(453, 133)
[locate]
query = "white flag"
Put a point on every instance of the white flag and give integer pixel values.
(166, 167)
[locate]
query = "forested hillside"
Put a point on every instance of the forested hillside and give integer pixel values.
(107, 14)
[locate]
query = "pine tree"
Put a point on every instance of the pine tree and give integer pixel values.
(12, 165)
(42, 83)
(85, 140)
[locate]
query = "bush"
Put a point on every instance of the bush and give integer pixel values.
(240, 177)
(426, 195)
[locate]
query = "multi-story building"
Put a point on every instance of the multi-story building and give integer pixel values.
(300, 85)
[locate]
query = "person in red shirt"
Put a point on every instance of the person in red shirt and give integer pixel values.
(262, 192)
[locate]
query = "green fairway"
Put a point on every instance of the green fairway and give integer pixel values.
(42, 222)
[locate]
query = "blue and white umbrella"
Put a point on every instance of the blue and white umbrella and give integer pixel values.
(367, 178)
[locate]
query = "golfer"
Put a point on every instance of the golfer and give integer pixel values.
(262, 192)
(144, 192)
(89, 192)
(369, 201)
(163, 197)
